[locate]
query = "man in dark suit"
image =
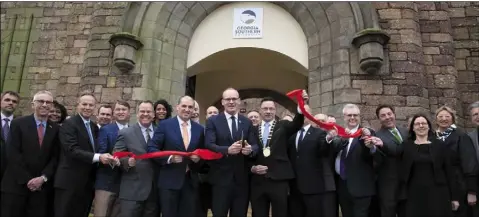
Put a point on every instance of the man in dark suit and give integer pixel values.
(178, 180)
(313, 192)
(392, 137)
(32, 149)
(138, 194)
(79, 157)
(474, 134)
(229, 175)
(354, 166)
(9, 102)
(107, 183)
(271, 167)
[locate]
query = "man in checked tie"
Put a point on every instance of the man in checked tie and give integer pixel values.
(178, 179)
(32, 149)
(9, 102)
(392, 137)
(79, 158)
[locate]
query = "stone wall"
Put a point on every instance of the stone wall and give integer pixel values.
(432, 57)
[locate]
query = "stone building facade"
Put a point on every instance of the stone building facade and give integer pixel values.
(415, 56)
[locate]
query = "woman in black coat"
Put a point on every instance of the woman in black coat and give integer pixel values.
(463, 158)
(426, 173)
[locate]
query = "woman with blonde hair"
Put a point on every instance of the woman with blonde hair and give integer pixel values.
(463, 158)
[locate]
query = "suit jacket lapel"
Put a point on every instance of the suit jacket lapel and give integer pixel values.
(306, 135)
(179, 137)
(47, 138)
(32, 125)
(139, 134)
(83, 130)
(224, 122)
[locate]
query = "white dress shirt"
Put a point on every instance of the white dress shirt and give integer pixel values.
(337, 163)
(306, 128)
(121, 126)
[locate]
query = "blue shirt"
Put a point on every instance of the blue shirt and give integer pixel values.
(44, 123)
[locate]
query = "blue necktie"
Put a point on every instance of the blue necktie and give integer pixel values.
(300, 137)
(88, 129)
(265, 134)
(233, 128)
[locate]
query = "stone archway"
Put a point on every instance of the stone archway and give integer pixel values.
(165, 28)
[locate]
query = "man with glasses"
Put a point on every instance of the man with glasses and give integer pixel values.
(9, 102)
(354, 165)
(232, 135)
(33, 149)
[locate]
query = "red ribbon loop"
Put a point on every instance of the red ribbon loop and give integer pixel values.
(327, 126)
(204, 154)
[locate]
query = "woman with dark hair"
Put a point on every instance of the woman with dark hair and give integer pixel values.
(58, 113)
(162, 111)
(463, 158)
(427, 174)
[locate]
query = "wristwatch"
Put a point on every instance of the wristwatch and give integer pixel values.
(45, 179)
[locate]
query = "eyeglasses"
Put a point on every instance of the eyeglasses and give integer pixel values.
(41, 102)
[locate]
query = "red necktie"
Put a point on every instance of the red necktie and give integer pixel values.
(40, 133)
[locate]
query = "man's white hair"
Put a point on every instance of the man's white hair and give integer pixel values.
(350, 106)
(42, 92)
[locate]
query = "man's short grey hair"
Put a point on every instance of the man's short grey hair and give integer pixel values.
(42, 92)
(474, 105)
(350, 106)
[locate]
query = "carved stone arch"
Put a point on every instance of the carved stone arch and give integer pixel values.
(165, 29)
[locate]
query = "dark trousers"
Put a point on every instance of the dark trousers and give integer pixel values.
(34, 204)
(232, 198)
(73, 203)
(204, 199)
(312, 205)
(386, 201)
(266, 194)
(352, 206)
(182, 202)
(147, 208)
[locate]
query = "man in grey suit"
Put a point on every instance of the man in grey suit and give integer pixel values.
(138, 193)
(392, 138)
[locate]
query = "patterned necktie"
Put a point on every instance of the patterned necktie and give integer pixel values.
(186, 136)
(88, 129)
(265, 133)
(40, 130)
(148, 137)
(233, 128)
(5, 129)
(396, 135)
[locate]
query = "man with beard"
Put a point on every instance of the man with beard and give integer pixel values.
(107, 183)
(104, 115)
(271, 167)
(33, 149)
(138, 188)
(178, 180)
(225, 133)
(9, 102)
(79, 157)
(392, 137)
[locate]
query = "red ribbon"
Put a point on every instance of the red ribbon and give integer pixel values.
(204, 154)
(327, 126)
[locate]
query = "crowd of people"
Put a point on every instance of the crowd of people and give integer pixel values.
(53, 164)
